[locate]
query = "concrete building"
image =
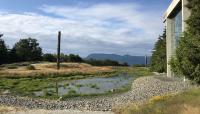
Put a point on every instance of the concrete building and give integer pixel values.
(174, 19)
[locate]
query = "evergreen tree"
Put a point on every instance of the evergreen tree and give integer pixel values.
(186, 62)
(28, 50)
(3, 51)
(49, 57)
(12, 56)
(158, 59)
(75, 58)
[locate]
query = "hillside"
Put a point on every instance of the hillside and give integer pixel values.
(131, 60)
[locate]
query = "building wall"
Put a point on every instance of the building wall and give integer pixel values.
(170, 26)
(169, 44)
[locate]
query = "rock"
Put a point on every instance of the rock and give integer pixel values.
(142, 89)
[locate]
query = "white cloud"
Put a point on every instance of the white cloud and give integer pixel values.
(107, 28)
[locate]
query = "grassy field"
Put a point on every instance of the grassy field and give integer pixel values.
(184, 103)
(24, 78)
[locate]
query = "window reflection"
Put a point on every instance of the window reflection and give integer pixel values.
(177, 28)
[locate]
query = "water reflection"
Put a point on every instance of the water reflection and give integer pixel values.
(96, 85)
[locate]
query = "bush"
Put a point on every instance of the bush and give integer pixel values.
(138, 65)
(30, 67)
(49, 57)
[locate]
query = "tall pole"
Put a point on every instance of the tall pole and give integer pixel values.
(58, 51)
(145, 60)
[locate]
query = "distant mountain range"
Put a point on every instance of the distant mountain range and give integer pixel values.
(131, 60)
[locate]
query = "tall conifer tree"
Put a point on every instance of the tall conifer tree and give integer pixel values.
(3, 51)
(158, 60)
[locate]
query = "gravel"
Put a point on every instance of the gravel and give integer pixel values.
(142, 89)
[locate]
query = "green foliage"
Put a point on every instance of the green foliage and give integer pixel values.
(159, 60)
(28, 50)
(64, 58)
(186, 62)
(94, 86)
(49, 57)
(104, 62)
(79, 85)
(75, 58)
(138, 65)
(12, 56)
(3, 51)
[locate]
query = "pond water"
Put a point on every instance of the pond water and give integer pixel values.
(96, 85)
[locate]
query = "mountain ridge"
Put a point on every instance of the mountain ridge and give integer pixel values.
(131, 60)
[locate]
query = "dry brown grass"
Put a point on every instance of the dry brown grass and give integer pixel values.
(189, 109)
(5, 109)
(184, 103)
(50, 68)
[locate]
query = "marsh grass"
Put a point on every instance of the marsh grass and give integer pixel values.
(134, 71)
(183, 103)
(79, 85)
(25, 86)
(71, 93)
(38, 80)
(94, 86)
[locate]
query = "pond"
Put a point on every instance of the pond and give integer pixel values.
(95, 85)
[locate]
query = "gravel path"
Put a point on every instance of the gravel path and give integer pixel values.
(142, 89)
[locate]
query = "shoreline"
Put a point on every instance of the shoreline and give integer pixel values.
(143, 88)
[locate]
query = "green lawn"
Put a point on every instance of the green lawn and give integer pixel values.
(184, 103)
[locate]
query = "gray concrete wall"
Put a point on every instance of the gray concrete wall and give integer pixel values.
(169, 44)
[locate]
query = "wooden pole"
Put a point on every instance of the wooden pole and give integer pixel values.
(58, 51)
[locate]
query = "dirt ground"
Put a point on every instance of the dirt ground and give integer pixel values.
(48, 68)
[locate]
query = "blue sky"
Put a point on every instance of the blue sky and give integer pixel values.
(88, 26)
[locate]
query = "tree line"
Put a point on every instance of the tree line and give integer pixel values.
(26, 50)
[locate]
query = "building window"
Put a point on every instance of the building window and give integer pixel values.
(177, 28)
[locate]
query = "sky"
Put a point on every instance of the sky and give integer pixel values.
(88, 26)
